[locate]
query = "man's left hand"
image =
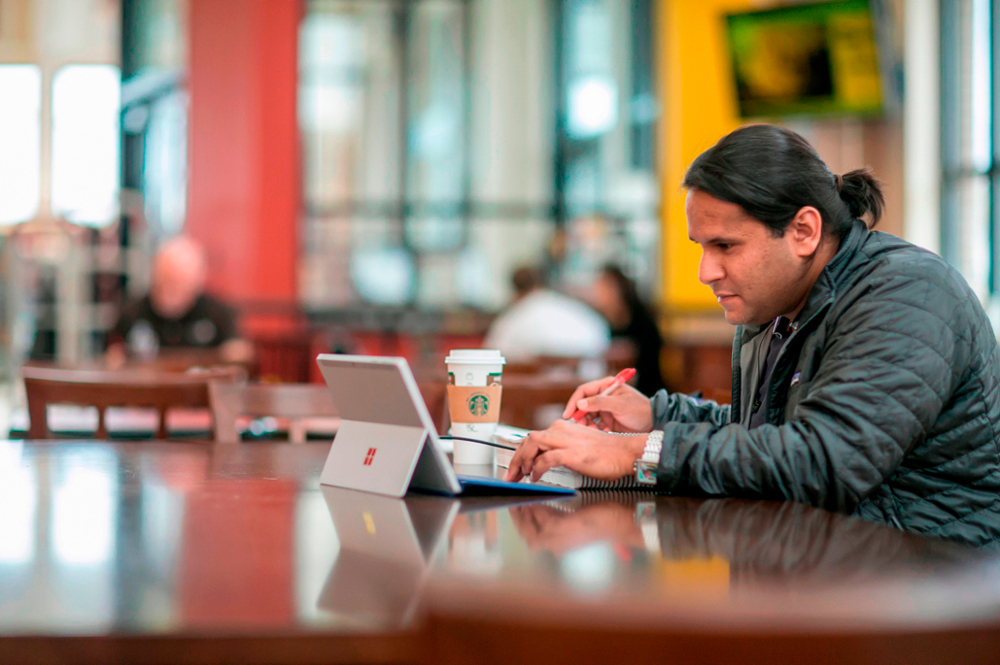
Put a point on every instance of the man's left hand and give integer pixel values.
(582, 449)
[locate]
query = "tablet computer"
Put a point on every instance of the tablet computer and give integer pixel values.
(387, 442)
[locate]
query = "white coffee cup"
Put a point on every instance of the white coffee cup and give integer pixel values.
(472, 368)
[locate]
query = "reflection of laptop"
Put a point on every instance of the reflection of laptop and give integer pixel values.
(387, 548)
(387, 442)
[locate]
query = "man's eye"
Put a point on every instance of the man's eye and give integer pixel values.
(723, 246)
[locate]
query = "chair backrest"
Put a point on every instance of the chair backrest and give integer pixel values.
(103, 389)
(295, 401)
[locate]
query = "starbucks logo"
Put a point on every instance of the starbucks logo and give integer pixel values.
(479, 404)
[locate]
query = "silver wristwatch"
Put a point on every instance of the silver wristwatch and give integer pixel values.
(646, 465)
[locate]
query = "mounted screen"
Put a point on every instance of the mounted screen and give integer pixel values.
(807, 59)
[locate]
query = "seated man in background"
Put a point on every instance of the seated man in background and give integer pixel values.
(542, 322)
(176, 313)
(866, 375)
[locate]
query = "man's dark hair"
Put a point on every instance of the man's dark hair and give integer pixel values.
(772, 173)
(526, 279)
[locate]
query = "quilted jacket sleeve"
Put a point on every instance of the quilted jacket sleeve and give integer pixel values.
(893, 347)
(678, 407)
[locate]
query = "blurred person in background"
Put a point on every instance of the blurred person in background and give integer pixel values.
(615, 296)
(542, 322)
(176, 313)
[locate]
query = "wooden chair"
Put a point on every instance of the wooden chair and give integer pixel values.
(103, 389)
(304, 404)
(718, 395)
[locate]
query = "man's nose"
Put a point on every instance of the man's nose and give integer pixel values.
(709, 269)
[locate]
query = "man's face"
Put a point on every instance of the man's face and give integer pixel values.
(175, 288)
(755, 276)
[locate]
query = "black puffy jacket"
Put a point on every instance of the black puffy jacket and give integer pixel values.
(884, 403)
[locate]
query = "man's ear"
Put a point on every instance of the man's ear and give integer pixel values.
(805, 232)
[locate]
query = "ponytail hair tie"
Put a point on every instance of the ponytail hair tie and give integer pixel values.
(838, 181)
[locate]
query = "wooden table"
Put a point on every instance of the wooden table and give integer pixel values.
(199, 553)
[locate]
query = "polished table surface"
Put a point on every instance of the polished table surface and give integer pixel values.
(194, 552)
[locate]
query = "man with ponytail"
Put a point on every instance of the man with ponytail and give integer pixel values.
(866, 375)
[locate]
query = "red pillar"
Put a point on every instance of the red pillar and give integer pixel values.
(244, 191)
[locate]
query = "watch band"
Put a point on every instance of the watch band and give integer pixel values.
(646, 465)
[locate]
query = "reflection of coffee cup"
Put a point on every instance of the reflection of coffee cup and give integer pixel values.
(474, 401)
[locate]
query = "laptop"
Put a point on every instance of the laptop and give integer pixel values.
(387, 442)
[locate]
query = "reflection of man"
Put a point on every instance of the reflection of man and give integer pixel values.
(558, 530)
(542, 322)
(176, 313)
(866, 375)
(764, 542)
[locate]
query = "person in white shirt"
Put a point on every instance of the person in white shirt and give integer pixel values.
(542, 322)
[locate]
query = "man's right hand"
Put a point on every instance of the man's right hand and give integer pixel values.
(624, 410)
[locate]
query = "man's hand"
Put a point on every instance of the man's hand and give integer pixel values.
(579, 448)
(625, 410)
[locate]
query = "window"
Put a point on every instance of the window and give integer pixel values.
(85, 143)
(968, 143)
(432, 167)
(20, 142)
(606, 187)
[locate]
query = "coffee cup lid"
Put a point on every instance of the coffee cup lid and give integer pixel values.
(475, 357)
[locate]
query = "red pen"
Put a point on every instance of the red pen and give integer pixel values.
(619, 381)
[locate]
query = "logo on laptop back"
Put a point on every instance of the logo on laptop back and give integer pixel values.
(479, 404)
(370, 456)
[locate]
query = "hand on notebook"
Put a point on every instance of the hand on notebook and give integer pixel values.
(624, 410)
(579, 448)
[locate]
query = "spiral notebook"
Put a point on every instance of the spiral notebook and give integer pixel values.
(560, 475)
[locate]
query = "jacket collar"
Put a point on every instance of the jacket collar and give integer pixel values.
(833, 275)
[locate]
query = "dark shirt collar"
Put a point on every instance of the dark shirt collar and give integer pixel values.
(782, 327)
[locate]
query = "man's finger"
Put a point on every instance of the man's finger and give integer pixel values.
(546, 461)
(608, 403)
(514, 468)
(529, 449)
(586, 390)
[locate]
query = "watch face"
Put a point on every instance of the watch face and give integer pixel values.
(645, 473)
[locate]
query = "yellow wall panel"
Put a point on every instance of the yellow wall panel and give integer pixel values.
(700, 107)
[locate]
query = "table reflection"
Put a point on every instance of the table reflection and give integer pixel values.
(741, 542)
(102, 536)
(161, 538)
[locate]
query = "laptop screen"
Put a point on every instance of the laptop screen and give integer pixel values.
(370, 392)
